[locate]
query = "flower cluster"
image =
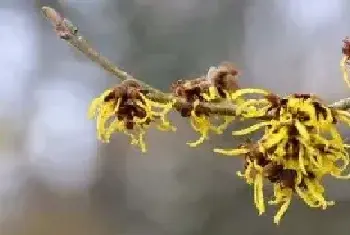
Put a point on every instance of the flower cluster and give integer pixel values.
(216, 86)
(300, 145)
(126, 109)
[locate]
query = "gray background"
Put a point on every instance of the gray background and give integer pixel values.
(55, 178)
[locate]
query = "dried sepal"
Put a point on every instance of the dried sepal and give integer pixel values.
(224, 78)
(216, 84)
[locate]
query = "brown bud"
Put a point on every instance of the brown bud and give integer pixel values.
(288, 178)
(178, 88)
(133, 93)
(123, 110)
(180, 92)
(230, 83)
(229, 67)
(346, 47)
(185, 110)
(224, 78)
(273, 99)
(334, 115)
(129, 125)
(131, 83)
(109, 97)
(201, 110)
(302, 95)
(140, 112)
(119, 92)
(273, 171)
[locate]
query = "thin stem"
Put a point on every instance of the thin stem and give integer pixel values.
(67, 31)
(342, 104)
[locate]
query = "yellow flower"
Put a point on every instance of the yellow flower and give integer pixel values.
(300, 145)
(202, 123)
(126, 109)
(217, 86)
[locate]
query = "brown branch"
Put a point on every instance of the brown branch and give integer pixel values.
(69, 33)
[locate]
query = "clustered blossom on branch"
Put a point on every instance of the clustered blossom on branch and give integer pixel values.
(299, 146)
(126, 109)
(218, 84)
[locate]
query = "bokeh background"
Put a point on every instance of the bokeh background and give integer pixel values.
(55, 178)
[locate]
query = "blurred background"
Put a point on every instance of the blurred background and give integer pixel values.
(55, 178)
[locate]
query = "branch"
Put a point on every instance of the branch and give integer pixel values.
(342, 104)
(67, 31)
